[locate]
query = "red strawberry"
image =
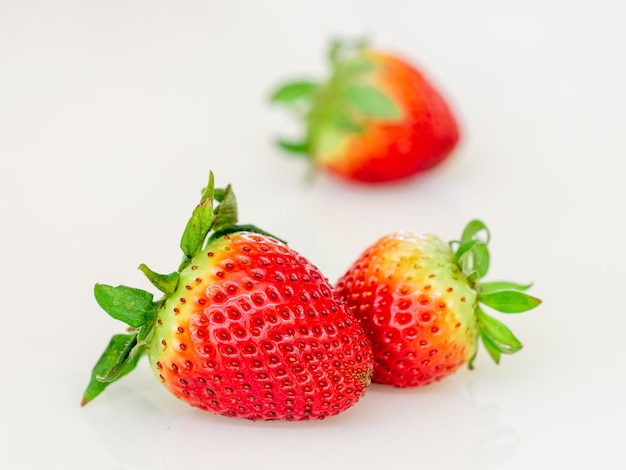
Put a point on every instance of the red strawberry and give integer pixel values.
(246, 327)
(377, 118)
(419, 302)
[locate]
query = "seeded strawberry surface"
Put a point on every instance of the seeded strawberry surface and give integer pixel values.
(415, 306)
(246, 326)
(421, 303)
(254, 330)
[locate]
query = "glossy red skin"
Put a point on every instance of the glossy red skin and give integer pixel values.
(257, 332)
(415, 307)
(393, 150)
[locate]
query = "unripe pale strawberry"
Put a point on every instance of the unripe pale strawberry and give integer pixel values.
(420, 304)
(246, 327)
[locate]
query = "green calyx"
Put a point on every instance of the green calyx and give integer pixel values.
(214, 216)
(472, 256)
(341, 106)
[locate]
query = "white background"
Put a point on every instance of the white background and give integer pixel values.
(113, 112)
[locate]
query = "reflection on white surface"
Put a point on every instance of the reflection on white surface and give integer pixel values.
(353, 436)
(496, 441)
(153, 430)
(139, 434)
(129, 426)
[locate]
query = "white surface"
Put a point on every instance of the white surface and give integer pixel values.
(112, 114)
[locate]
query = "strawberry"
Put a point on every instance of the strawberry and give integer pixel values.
(376, 119)
(246, 327)
(420, 304)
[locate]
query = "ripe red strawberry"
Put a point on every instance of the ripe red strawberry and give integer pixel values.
(376, 119)
(419, 302)
(246, 327)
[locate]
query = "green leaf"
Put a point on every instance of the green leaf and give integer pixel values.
(209, 191)
(124, 356)
(144, 334)
(294, 91)
(343, 122)
(499, 334)
(473, 228)
(460, 255)
(116, 354)
(301, 147)
(473, 258)
(480, 260)
(509, 301)
(226, 211)
(491, 348)
(166, 283)
(369, 101)
(219, 194)
(488, 287)
(198, 225)
(132, 306)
